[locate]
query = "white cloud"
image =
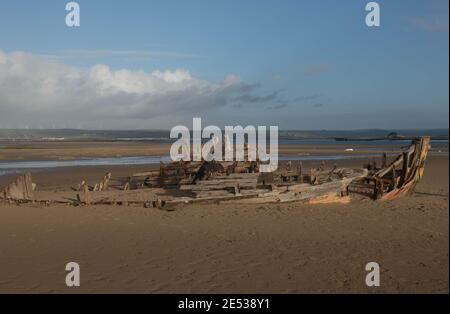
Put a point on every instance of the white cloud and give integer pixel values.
(40, 91)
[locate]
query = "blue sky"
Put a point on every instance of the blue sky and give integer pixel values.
(296, 64)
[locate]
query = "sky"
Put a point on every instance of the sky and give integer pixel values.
(146, 64)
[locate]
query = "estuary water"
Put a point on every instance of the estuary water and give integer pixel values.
(11, 167)
(391, 147)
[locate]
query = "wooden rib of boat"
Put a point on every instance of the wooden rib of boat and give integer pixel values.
(405, 172)
(400, 177)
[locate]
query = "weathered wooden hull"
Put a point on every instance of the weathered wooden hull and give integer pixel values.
(216, 191)
(402, 175)
(398, 178)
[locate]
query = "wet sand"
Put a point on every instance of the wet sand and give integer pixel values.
(227, 248)
(35, 150)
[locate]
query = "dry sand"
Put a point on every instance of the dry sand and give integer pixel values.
(227, 248)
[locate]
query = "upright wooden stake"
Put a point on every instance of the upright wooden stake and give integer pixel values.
(383, 161)
(300, 172)
(87, 197)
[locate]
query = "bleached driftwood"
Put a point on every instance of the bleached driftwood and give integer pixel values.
(81, 186)
(21, 188)
(85, 197)
(103, 185)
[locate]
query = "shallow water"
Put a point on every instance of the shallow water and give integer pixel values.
(20, 166)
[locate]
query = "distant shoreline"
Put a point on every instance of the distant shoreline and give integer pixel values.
(65, 135)
(406, 138)
(169, 140)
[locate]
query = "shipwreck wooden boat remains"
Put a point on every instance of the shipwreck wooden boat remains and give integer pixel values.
(22, 188)
(400, 177)
(210, 181)
(220, 182)
(242, 181)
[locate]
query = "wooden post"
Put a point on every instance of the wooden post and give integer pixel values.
(378, 189)
(161, 173)
(312, 176)
(300, 172)
(381, 189)
(383, 160)
(375, 190)
(394, 178)
(322, 166)
(87, 197)
(105, 181)
(404, 169)
(80, 186)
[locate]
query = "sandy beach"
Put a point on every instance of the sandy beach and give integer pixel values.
(224, 147)
(226, 248)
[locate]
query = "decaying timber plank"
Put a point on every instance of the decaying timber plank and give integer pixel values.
(249, 180)
(21, 188)
(288, 194)
(146, 174)
(224, 193)
(307, 192)
(220, 198)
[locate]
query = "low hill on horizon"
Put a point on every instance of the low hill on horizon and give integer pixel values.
(161, 135)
